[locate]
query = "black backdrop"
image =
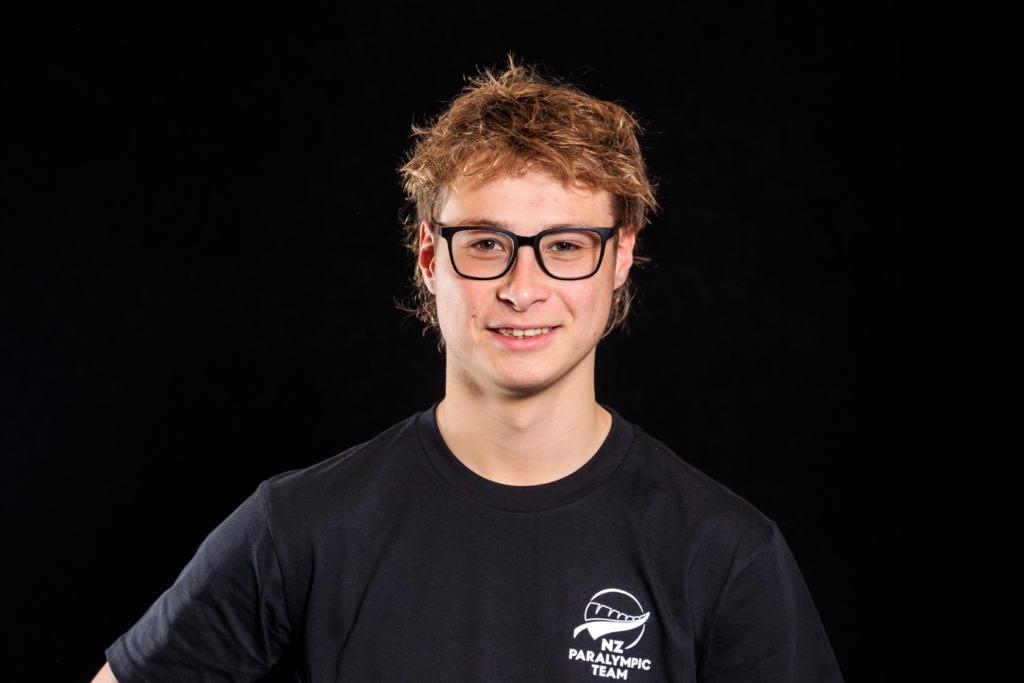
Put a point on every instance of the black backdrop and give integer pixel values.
(201, 252)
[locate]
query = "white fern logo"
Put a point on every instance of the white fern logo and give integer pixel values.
(613, 614)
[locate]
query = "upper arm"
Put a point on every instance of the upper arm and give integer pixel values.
(105, 675)
(767, 628)
(223, 620)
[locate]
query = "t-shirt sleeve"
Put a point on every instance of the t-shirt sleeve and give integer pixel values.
(224, 619)
(767, 629)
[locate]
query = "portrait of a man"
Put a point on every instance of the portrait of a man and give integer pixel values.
(347, 352)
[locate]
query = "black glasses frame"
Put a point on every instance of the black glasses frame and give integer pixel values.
(519, 241)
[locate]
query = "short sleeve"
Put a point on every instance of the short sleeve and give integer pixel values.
(224, 619)
(767, 629)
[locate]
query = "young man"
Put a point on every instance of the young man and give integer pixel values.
(518, 530)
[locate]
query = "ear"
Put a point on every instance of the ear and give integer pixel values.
(427, 255)
(624, 255)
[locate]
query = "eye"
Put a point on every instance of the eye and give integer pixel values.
(488, 245)
(564, 247)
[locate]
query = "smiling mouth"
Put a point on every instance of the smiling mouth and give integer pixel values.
(512, 332)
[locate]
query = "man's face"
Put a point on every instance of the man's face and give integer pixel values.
(470, 312)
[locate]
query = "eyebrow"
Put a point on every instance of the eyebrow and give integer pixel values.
(476, 222)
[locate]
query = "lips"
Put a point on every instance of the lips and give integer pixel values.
(521, 332)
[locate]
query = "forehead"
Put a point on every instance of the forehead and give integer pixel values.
(530, 202)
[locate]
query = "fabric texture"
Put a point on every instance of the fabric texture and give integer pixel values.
(394, 562)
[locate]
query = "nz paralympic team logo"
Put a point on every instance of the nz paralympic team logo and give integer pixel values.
(612, 611)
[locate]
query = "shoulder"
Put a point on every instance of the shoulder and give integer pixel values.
(362, 475)
(688, 508)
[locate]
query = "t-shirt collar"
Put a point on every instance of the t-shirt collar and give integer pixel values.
(524, 498)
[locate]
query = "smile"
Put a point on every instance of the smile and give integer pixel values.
(512, 332)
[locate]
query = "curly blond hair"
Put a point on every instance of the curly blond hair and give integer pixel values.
(515, 122)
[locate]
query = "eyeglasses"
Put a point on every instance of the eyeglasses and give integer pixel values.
(563, 253)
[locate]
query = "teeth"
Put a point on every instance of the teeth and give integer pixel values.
(511, 332)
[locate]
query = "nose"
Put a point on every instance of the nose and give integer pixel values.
(526, 284)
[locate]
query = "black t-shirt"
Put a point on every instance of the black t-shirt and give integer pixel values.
(394, 562)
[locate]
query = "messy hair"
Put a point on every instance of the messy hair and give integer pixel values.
(516, 122)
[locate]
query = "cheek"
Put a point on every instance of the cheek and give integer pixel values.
(457, 301)
(591, 304)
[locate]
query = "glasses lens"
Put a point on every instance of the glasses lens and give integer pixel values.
(571, 253)
(481, 253)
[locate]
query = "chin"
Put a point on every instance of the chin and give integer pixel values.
(524, 385)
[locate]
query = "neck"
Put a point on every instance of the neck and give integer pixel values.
(524, 439)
